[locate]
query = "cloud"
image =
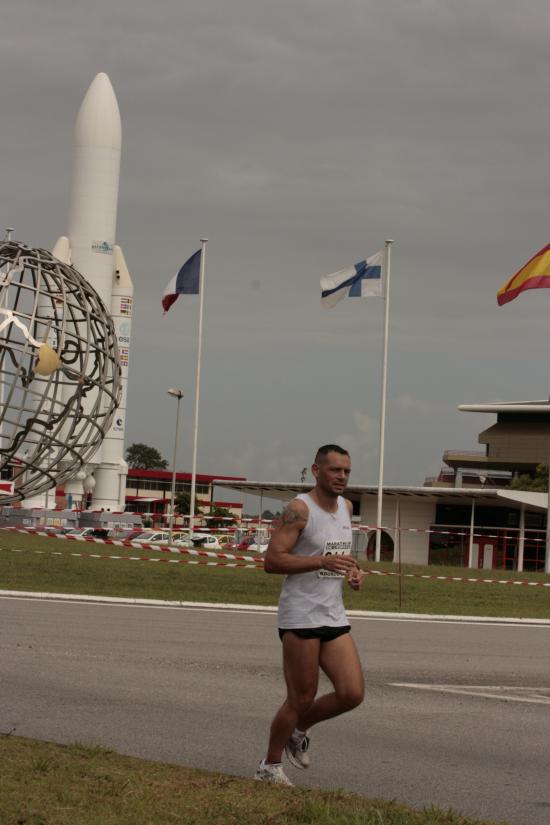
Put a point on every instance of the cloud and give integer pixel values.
(298, 150)
(419, 406)
(362, 444)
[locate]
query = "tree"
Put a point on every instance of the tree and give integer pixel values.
(182, 504)
(220, 517)
(536, 484)
(143, 457)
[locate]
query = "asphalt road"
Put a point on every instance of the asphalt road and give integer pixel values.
(199, 687)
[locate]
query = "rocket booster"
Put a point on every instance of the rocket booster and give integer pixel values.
(90, 248)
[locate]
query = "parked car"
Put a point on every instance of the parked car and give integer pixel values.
(135, 531)
(206, 540)
(156, 537)
(226, 542)
(51, 530)
(159, 537)
(141, 535)
(121, 534)
(85, 532)
(257, 548)
(183, 541)
(177, 537)
(144, 535)
(245, 543)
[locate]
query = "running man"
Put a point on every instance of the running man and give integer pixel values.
(312, 547)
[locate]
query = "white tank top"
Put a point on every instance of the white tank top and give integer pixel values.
(314, 599)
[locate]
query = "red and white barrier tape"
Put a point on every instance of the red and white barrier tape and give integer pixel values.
(164, 548)
(204, 562)
(455, 532)
(228, 560)
(512, 532)
(185, 551)
(252, 525)
(468, 580)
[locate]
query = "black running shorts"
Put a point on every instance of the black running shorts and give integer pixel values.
(325, 634)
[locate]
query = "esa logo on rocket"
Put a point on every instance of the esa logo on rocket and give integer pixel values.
(102, 246)
(123, 333)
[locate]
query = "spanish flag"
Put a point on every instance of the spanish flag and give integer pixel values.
(535, 274)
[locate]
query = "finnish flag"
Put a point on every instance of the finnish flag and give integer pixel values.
(364, 280)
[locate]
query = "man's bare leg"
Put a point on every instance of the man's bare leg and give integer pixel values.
(340, 661)
(301, 669)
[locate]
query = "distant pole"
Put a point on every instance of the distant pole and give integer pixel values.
(258, 539)
(178, 394)
(398, 540)
(471, 536)
(204, 241)
(383, 407)
(521, 547)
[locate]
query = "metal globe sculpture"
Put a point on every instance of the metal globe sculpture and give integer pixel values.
(60, 380)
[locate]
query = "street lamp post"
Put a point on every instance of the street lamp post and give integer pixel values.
(175, 393)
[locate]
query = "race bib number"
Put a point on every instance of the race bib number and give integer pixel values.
(335, 548)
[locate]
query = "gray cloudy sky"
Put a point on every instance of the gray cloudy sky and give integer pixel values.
(297, 136)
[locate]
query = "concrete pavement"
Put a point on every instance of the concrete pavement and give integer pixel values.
(199, 686)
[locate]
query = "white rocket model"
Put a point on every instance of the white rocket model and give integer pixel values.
(90, 248)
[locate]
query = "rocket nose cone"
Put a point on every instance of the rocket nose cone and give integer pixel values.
(98, 121)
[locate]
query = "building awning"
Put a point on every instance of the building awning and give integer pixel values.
(355, 492)
(538, 501)
(508, 406)
(139, 500)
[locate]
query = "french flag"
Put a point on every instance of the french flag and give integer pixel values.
(186, 282)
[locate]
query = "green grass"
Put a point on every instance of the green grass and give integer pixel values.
(48, 784)
(37, 568)
(456, 598)
(85, 575)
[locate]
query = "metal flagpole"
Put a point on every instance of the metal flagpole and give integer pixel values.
(204, 241)
(397, 546)
(471, 538)
(521, 543)
(177, 394)
(383, 407)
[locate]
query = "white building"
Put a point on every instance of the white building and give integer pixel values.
(485, 528)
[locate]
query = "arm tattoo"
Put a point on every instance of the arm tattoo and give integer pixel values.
(291, 516)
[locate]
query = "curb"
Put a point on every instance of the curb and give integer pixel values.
(267, 609)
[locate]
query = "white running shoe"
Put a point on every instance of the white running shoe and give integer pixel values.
(296, 750)
(272, 773)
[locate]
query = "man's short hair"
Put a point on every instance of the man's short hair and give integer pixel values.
(323, 451)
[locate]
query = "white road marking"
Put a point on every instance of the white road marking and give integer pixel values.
(505, 693)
